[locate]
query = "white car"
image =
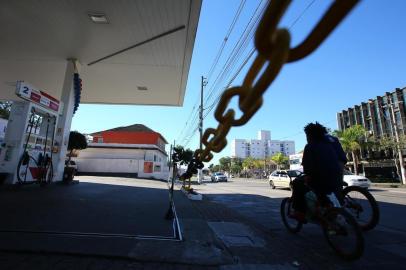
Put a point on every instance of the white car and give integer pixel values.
(356, 180)
(282, 178)
(218, 176)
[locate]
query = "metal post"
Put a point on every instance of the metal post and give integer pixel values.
(201, 114)
(203, 84)
(169, 214)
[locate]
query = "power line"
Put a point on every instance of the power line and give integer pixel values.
(234, 55)
(250, 55)
(230, 29)
(210, 108)
(192, 120)
(236, 52)
(301, 15)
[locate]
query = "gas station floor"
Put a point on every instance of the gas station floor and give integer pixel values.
(94, 206)
(109, 217)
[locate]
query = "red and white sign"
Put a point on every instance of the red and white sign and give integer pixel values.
(26, 91)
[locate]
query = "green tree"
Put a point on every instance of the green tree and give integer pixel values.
(236, 165)
(352, 140)
(248, 163)
(185, 155)
(225, 163)
(236, 168)
(77, 141)
(258, 163)
(5, 107)
(280, 160)
(390, 147)
(216, 168)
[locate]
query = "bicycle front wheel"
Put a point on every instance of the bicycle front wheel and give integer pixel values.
(291, 223)
(23, 168)
(360, 203)
(343, 233)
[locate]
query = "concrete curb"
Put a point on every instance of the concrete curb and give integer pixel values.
(388, 185)
(191, 196)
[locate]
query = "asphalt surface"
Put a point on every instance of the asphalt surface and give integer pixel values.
(103, 207)
(237, 225)
(103, 223)
(258, 205)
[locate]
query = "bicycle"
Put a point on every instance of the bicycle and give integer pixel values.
(42, 170)
(360, 203)
(337, 224)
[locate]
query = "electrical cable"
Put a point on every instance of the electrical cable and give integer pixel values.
(237, 50)
(230, 29)
(232, 58)
(216, 59)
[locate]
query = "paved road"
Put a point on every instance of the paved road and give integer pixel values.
(385, 245)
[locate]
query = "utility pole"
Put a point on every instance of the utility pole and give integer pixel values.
(203, 84)
(400, 154)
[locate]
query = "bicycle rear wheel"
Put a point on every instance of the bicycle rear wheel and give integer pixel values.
(23, 168)
(290, 223)
(343, 233)
(360, 203)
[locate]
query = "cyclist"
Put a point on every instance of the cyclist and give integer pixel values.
(338, 149)
(322, 169)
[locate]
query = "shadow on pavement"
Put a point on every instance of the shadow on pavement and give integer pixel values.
(385, 246)
(102, 218)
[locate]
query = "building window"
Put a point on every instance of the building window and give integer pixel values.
(157, 168)
(398, 119)
(100, 140)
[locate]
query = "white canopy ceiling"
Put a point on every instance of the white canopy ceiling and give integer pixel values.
(38, 37)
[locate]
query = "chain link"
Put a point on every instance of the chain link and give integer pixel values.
(273, 46)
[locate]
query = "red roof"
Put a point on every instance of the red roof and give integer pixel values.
(133, 134)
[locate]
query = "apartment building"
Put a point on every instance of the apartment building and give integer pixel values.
(376, 114)
(379, 116)
(261, 147)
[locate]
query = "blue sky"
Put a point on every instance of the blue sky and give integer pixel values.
(363, 58)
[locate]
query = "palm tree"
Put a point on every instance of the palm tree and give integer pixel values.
(352, 139)
(279, 159)
(248, 163)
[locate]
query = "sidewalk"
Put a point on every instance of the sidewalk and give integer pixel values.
(388, 185)
(258, 218)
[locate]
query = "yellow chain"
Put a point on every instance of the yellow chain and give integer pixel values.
(273, 46)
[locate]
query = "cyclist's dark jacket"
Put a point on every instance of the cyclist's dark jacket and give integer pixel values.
(322, 164)
(337, 147)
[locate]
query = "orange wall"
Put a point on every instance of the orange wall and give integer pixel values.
(128, 137)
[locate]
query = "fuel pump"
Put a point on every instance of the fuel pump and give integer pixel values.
(29, 141)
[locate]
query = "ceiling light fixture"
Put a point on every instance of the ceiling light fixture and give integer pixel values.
(98, 18)
(142, 88)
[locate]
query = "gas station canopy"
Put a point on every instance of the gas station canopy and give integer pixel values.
(130, 52)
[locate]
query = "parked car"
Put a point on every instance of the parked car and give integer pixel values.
(282, 178)
(356, 180)
(218, 176)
